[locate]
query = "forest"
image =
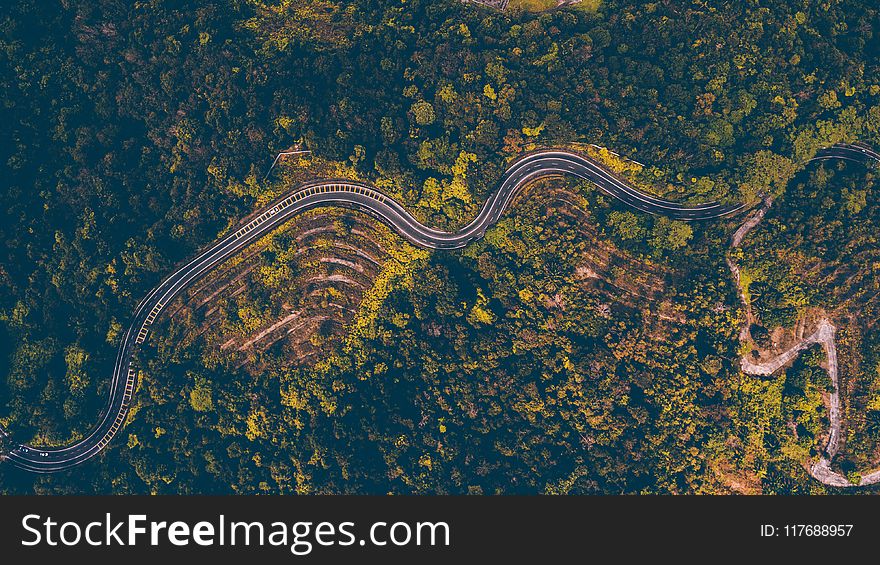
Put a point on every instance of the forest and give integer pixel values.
(579, 348)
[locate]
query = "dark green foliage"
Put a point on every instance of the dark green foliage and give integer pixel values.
(134, 132)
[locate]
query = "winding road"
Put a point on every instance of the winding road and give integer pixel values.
(820, 470)
(368, 199)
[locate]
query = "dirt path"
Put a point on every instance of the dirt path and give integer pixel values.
(824, 334)
(751, 222)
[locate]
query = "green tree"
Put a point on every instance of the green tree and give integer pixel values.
(423, 112)
(627, 226)
(669, 235)
(201, 396)
(766, 174)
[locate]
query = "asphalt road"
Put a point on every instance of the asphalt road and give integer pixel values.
(367, 199)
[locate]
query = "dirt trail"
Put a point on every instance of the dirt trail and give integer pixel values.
(824, 334)
(751, 222)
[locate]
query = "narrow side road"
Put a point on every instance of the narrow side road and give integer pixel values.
(824, 334)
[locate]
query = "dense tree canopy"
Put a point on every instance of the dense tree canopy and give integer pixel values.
(138, 132)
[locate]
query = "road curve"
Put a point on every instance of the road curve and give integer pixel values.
(363, 197)
(820, 470)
